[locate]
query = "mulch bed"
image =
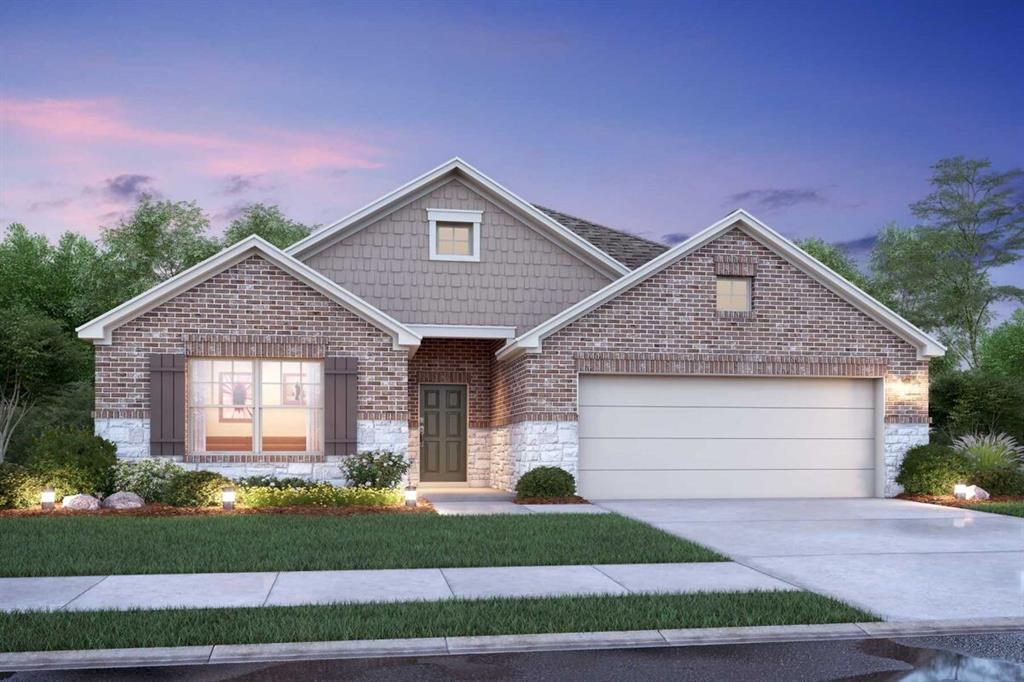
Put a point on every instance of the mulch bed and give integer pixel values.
(572, 499)
(950, 501)
(423, 507)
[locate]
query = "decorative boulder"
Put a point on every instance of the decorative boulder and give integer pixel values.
(81, 502)
(123, 500)
(976, 493)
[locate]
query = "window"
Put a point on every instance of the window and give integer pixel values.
(733, 294)
(238, 405)
(454, 234)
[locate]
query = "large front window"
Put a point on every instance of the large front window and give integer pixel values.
(238, 405)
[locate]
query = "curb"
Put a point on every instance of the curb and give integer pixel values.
(491, 644)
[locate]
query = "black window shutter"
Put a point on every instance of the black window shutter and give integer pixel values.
(341, 407)
(166, 405)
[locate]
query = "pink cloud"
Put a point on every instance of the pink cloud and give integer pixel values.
(59, 122)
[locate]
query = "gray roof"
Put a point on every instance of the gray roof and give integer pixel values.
(629, 249)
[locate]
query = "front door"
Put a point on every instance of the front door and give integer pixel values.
(442, 433)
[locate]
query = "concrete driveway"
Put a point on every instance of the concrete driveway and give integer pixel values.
(900, 560)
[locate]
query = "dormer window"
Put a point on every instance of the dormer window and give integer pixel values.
(454, 234)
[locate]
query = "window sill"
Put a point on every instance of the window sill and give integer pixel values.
(254, 457)
(738, 315)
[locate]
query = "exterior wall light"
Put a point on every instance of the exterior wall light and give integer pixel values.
(227, 497)
(410, 495)
(47, 498)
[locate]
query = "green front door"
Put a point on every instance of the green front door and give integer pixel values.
(442, 433)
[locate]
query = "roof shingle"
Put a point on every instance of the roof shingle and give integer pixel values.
(629, 249)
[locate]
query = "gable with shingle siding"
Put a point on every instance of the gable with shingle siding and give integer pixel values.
(522, 278)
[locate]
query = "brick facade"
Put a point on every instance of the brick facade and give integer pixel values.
(252, 309)
(668, 325)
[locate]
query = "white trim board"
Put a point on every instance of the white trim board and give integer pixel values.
(99, 329)
(456, 167)
(927, 346)
(463, 331)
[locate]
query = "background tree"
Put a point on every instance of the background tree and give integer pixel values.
(267, 222)
(159, 240)
(1002, 349)
(835, 258)
(938, 273)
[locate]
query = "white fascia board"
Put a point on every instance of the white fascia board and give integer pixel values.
(99, 330)
(927, 346)
(354, 220)
(463, 331)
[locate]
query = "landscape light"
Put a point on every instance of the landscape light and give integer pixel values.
(227, 497)
(960, 491)
(410, 495)
(47, 498)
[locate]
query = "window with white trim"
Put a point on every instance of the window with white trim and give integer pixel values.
(733, 294)
(255, 406)
(454, 234)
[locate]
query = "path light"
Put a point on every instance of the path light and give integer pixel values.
(47, 498)
(410, 495)
(227, 497)
(960, 491)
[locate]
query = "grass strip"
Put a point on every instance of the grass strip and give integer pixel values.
(39, 631)
(79, 545)
(1007, 508)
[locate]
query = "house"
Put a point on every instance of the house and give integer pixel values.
(484, 335)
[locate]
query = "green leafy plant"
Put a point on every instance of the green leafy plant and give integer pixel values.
(319, 495)
(19, 489)
(932, 470)
(995, 462)
(71, 460)
(150, 479)
(546, 482)
(273, 482)
(375, 469)
(196, 489)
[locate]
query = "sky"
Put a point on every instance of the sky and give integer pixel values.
(820, 118)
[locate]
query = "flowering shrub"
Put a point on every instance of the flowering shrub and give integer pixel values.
(147, 478)
(319, 495)
(375, 469)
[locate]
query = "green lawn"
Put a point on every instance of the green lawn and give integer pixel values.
(37, 631)
(79, 545)
(1008, 508)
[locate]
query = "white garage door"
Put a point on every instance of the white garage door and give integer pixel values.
(678, 437)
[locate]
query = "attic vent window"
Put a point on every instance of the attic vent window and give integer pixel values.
(454, 234)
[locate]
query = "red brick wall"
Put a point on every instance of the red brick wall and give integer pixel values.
(668, 325)
(455, 361)
(278, 315)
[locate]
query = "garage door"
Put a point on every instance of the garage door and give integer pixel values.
(676, 437)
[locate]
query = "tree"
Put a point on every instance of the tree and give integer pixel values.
(267, 222)
(834, 257)
(159, 240)
(1002, 350)
(13, 407)
(938, 273)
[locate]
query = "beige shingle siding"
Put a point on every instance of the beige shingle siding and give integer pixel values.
(521, 280)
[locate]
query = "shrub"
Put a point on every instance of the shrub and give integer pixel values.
(71, 460)
(977, 401)
(147, 478)
(273, 482)
(546, 482)
(319, 495)
(989, 452)
(932, 470)
(375, 469)
(1009, 481)
(19, 489)
(196, 489)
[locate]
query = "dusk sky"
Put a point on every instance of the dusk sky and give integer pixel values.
(821, 118)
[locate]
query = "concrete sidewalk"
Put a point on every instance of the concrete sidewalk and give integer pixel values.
(467, 501)
(293, 588)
